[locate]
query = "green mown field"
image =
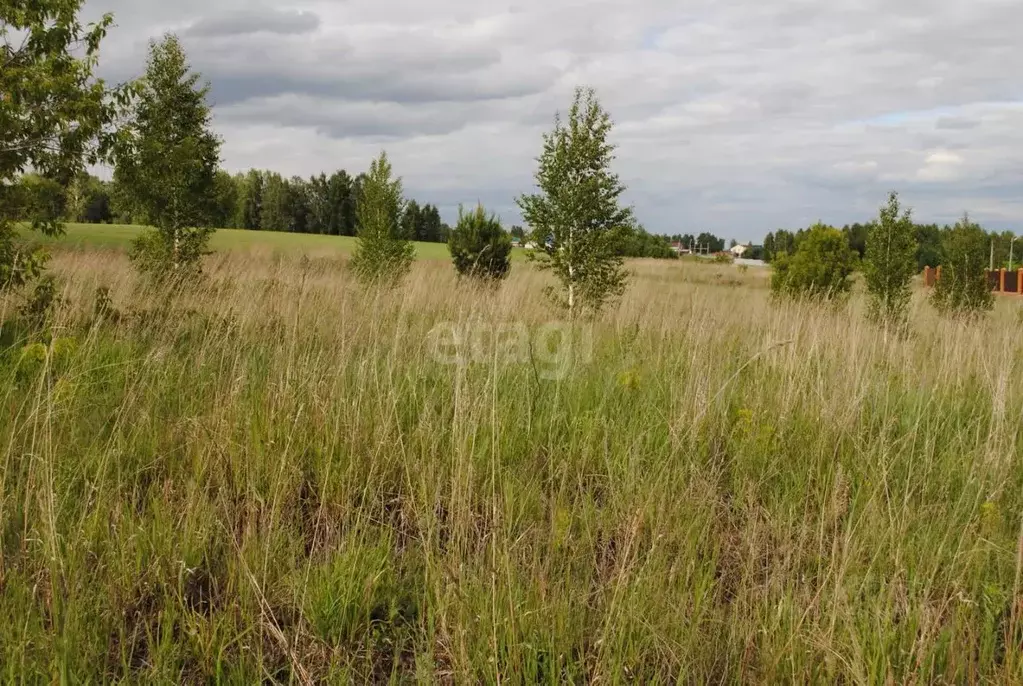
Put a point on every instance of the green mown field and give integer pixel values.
(120, 237)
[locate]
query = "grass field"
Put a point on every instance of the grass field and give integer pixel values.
(276, 477)
(118, 236)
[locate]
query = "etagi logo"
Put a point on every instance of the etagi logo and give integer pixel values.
(552, 348)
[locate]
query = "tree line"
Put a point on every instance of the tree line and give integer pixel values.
(263, 200)
(928, 239)
(257, 200)
(817, 264)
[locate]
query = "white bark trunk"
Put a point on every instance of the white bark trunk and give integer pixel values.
(571, 276)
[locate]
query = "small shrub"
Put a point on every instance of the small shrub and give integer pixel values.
(480, 248)
(890, 264)
(155, 255)
(963, 288)
(820, 267)
(382, 255)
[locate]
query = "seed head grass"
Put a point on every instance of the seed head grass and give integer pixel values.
(273, 477)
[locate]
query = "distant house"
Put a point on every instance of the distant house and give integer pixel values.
(739, 250)
(680, 249)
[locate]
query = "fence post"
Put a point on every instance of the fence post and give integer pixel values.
(937, 274)
(1019, 281)
(1001, 280)
(928, 277)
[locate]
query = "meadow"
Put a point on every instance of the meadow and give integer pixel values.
(274, 476)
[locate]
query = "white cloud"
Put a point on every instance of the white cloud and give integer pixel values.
(940, 166)
(739, 117)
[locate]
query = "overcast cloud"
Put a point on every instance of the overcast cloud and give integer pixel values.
(737, 117)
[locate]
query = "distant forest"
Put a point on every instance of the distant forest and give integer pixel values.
(262, 200)
(929, 237)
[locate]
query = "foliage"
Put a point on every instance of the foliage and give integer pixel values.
(963, 288)
(1005, 247)
(858, 236)
(769, 247)
(820, 267)
(930, 252)
(263, 200)
(688, 240)
(480, 247)
(275, 215)
(53, 114)
(928, 239)
(890, 264)
(639, 242)
(382, 255)
(167, 159)
(333, 202)
(782, 242)
(40, 198)
(429, 227)
(250, 212)
(40, 306)
(226, 191)
(577, 223)
(708, 243)
(153, 254)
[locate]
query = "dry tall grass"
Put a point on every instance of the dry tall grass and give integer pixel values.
(271, 477)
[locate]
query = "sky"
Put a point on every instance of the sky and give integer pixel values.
(737, 117)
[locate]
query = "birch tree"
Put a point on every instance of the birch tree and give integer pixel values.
(963, 289)
(167, 159)
(577, 222)
(890, 264)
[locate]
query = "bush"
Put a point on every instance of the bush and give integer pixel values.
(820, 267)
(963, 288)
(479, 247)
(382, 256)
(891, 249)
(153, 253)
